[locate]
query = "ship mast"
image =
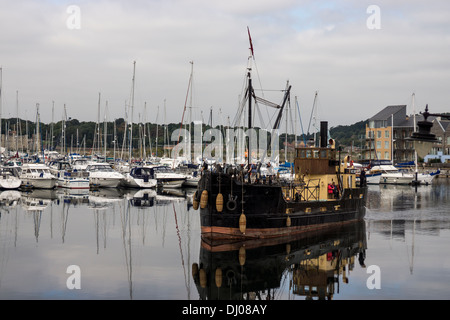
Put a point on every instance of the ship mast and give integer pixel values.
(249, 95)
(131, 119)
(250, 90)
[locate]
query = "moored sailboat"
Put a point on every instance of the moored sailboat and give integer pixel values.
(9, 178)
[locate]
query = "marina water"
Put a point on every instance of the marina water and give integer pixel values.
(134, 244)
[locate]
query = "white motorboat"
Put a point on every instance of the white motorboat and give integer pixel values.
(166, 177)
(79, 164)
(140, 177)
(386, 174)
(399, 177)
(389, 174)
(9, 178)
(102, 175)
(70, 178)
(192, 173)
(37, 175)
(192, 179)
(425, 178)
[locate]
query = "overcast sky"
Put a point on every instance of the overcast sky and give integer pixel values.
(358, 59)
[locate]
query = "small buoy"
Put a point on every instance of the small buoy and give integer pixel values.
(194, 269)
(195, 201)
(242, 223)
(242, 256)
(218, 277)
(202, 274)
(204, 199)
(219, 203)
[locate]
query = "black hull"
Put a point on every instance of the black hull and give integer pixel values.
(268, 213)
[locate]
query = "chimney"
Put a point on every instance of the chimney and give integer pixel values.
(323, 134)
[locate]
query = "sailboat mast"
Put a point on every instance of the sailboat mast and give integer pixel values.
(144, 132)
(115, 140)
(190, 112)
(105, 128)
(98, 123)
(17, 122)
(184, 110)
(157, 128)
(51, 128)
(37, 129)
(64, 131)
(132, 107)
(414, 130)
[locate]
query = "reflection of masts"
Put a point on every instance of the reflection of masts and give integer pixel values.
(411, 263)
(96, 228)
(65, 216)
(179, 244)
(37, 215)
(126, 221)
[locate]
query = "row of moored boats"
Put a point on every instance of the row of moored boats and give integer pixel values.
(86, 174)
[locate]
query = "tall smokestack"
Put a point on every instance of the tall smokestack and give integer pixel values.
(323, 134)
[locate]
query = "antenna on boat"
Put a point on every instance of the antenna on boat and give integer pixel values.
(314, 108)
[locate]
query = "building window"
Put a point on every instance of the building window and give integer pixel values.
(386, 133)
(386, 155)
(378, 144)
(378, 134)
(386, 144)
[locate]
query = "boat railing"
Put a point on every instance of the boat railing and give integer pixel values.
(309, 191)
(76, 174)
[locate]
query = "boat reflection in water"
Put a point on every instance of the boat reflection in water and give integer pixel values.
(314, 264)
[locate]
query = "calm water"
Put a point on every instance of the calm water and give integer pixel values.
(130, 245)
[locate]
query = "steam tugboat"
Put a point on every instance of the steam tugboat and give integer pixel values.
(235, 206)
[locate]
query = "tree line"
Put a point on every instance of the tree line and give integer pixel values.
(85, 134)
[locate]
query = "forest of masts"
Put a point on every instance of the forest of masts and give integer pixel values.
(109, 138)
